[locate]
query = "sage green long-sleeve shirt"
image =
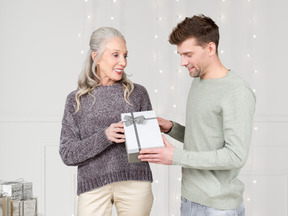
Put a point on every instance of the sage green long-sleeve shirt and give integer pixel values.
(217, 135)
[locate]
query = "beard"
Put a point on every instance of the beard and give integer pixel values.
(195, 73)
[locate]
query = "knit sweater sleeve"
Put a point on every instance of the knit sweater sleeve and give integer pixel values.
(177, 132)
(74, 150)
(238, 109)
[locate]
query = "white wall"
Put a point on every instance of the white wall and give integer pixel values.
(41, 44)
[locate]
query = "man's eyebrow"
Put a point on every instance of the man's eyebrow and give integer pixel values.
(185, 53)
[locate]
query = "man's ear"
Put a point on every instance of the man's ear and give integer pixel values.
(212, 48)
(93, 55)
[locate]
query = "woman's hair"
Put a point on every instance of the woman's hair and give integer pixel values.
(88, 79)
(200, 27)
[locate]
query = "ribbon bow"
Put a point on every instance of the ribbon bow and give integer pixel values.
(129, 120)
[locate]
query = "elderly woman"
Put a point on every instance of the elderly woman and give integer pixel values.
(92, 135)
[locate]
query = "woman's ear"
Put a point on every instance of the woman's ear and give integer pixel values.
(93, 55)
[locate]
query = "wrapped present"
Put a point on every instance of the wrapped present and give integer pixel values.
(141, 132)
(18, 189)
(27, 190)
(12, 189)
(5, 205)
(24, 207)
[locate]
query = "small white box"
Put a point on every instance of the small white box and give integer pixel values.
(14, 190)
(141, 132)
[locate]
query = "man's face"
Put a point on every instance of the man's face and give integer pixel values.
(193, 57)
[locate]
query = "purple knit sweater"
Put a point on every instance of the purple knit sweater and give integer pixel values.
(83, 141)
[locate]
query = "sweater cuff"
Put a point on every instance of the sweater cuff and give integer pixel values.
(177, 132)
(177, 156)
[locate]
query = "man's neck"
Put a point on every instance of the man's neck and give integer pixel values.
(215, 71)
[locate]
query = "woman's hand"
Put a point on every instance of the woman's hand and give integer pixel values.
(115, 132)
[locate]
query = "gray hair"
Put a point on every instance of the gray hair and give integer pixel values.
(88, 79)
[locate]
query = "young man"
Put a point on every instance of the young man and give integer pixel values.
(217, 135)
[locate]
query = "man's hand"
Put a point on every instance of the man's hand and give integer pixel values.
(158, 155)
(165, 125)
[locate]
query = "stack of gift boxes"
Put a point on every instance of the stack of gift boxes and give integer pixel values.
(16, 199)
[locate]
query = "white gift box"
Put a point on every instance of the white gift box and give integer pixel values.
(14, 190)
(141, 132)
(17, 189)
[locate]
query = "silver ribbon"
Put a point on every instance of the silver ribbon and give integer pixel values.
(129, 120)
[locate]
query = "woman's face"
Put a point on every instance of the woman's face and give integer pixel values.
(111, 64)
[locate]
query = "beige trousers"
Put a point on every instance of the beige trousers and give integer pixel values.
(130, 198)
